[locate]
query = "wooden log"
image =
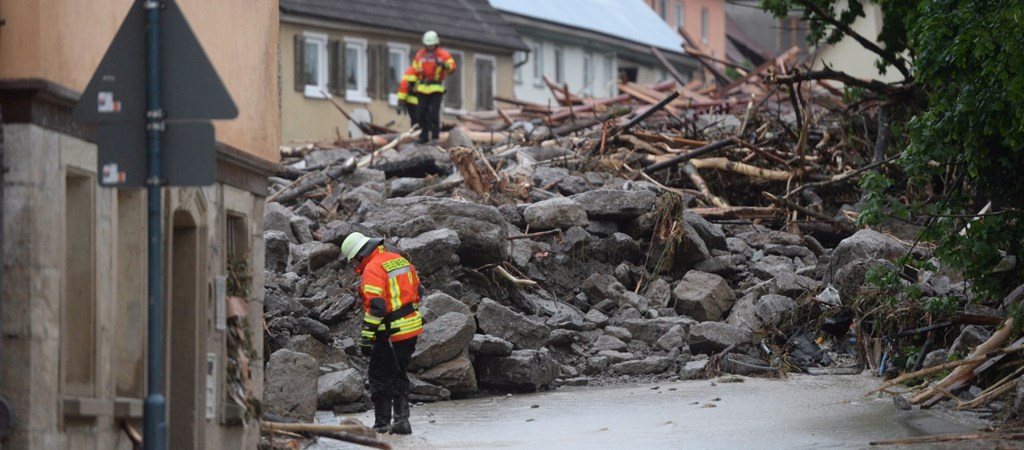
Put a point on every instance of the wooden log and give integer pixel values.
(465, 162)
(588, 105)
(718, 74)
(312, 181)
(951, 438)
(702, 186)
(740, 212)
(696, 153)
(368, 159)
(743, 169)
(346, 433)
(668, 66)
(516, 281)
(966, 371)
(663, 103)
(781, 59)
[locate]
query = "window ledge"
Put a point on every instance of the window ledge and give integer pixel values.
(87, 407)
(357, 98)
(128, 408)
(315, 92)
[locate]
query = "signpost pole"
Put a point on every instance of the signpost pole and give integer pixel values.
(155, 432)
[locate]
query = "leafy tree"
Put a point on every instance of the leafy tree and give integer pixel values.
(963, 65)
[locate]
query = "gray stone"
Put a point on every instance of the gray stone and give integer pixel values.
(771, 308)
(851, 279)
(481, 229)
(513, 215)
(738, 246)
(713, 337)
(650, 330)
(490, 345)
(339, 388)
(365, 176)
(290, 385)
(792, 251)
(431, 250)
(456, 375)
(607, 342)
(744, 312)
(865, 244)
(523, 370)
(597, 317)
(725, 265)
(711, 234)
(935, 358)
(603, 228)
(400, 187)
(616, 248)
(615, 204)
(301, 226)
(336, 234)
(276, 304)
(703, 296)
(277, 217)
(555, 213)
(438, 304)
(421, 391)
(759, 239)
(305, 325)
(658, 293)
(771, 266)
(695, 369)
(362, 199)
(619, 332)
(647, 366)
(324, 353)
(793, 285)
(692, 250)
(333, 310)
(442, 340)
(969, 338)
(309, 257)
(573, 240)
(675, 338)
(522, 331)
(742, 364)
(600, 286)
(277, 252)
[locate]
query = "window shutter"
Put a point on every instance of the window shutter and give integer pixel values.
(372, 70)
(335, 71)
(300, 63)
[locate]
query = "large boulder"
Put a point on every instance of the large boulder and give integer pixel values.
(753, 312)
(713, 337)
(658, 293)
(651, 330)
(616, 204)
(703, 296)
(324, 354)
(442, 340)
(309, 257)
(523, 370)
(481, 229)
(277, 251)
(855, 255)
(456, 375)
(483, 344)
(438, 304)
(333, 310)
(711, 234)
(431, 250)
(339, 388)
(305, 325)
(498, 320)
(277, 217)
(555, 213)
(646, 366)
(290, 386)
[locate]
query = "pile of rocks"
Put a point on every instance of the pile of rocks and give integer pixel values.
(595, 312)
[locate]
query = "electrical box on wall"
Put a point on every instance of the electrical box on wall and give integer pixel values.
(211, 386)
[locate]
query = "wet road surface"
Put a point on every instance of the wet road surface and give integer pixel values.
(801, 412)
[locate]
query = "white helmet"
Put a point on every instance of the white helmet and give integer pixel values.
(430, 38)
(356, 242)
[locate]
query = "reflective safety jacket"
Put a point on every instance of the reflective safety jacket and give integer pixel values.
(407, 85)
(390, 294)
(431, 67)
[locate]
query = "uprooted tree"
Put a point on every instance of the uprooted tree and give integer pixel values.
(961, 111)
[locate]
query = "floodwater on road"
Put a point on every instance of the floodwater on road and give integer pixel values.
(800, 412)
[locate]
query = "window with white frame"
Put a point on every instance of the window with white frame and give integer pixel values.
(559, 66)
(611, 82)
(398, 61)
(538, 63)
(518, 60)
(355, 71)
(588, 73)
(705, 19)
(486, 80)
(680, 14)
(314, 60)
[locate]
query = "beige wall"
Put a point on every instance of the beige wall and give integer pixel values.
(850, 56)
(305, 119)
(692, 21)
(64, 40)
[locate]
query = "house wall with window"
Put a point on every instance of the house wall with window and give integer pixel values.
(359, 68)
(704, 20)
(74, 333)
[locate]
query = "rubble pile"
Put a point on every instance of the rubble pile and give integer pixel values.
(669, 232)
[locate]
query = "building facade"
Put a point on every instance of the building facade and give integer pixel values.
(704, 20)
(74, 283)
(353, 54)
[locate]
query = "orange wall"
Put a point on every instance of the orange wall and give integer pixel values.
(64, 40)
(691, 21)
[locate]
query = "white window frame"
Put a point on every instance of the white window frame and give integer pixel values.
(320, 88)
(494, 77)
(588, 73)
(357, 94)
(705, 25)
(517, 62)
(404, 50)
(680, 14)
(461, 86)
(538, 63)
(611, 74)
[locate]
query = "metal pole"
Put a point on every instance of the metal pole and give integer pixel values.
(155, 432)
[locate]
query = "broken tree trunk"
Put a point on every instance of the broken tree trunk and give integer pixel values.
(743, 169)
(346, 433)
(465, 162)
(696, 153)
(966, 371)
(702, 186)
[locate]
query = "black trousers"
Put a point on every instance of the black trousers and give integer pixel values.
(430, 115)
(388, 380)
(414, 113)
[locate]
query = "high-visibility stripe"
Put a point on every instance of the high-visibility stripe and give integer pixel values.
(396, 293)
(430, 88)
(372, 320)
(370, 289)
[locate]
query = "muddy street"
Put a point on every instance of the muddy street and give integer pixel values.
(802, 412)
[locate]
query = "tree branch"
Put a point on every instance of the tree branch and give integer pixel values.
(849, 80)
(890, 57)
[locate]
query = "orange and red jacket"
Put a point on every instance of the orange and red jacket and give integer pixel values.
(409, 78)
(389, 283)
(431, 67)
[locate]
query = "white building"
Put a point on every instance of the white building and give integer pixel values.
(589, 44)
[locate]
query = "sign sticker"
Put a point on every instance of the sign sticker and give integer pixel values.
(105, 103)
(111, 175)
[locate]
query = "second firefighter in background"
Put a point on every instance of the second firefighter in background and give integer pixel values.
(390, 292)
(430, 66)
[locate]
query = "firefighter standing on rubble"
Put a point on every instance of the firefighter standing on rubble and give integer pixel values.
(390, 291)
(431, 65)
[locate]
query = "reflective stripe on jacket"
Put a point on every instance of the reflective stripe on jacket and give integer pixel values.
(408, 79)
(431, 68)
(389, 282)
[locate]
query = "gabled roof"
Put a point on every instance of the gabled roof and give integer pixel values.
(629, 20)
(472, 21)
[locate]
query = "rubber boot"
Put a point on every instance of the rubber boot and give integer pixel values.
(382, 415)
(402, 425)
